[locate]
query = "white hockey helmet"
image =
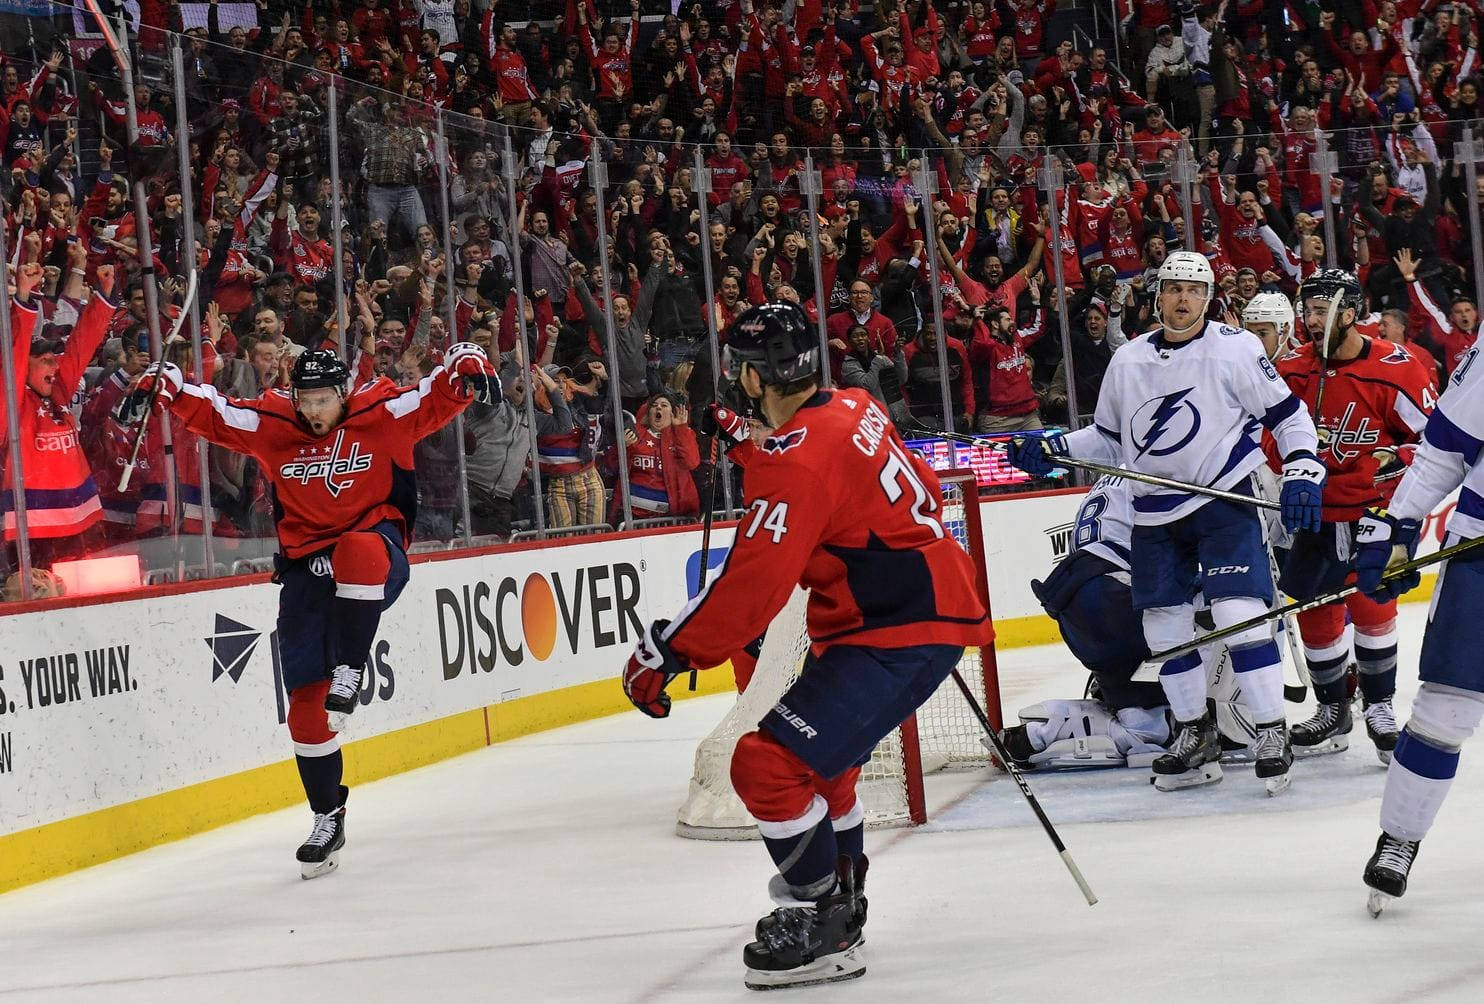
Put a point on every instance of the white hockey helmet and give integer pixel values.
(1187, 266)
(1273, 308)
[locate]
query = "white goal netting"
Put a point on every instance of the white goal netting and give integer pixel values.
(946, 733)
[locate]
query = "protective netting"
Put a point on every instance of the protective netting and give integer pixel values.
(948, 735)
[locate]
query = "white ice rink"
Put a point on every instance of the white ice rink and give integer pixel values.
(547, 869)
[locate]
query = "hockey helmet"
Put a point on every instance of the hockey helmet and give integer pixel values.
(1329, 283)
(775, 339)
(1273, 308)
(317, 368)
(1187, 266)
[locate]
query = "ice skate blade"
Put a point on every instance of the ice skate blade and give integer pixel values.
(1195, 778)
(1277, 785)
(847, 965)
(318, 869)
(1334, 744)
(1376, 902)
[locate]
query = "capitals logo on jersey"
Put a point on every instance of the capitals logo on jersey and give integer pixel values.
(1166, 424)
(1348, 438)
(333, 469)
(778, 445)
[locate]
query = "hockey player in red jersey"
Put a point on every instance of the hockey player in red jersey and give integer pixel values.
(340, 463)
(835, 504)
(1375, 401)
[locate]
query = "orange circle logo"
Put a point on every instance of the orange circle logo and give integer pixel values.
(538, 616)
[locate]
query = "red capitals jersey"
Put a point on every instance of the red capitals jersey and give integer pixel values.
(837, 505)
(353, 477)
(309, 262)
(1380, 398)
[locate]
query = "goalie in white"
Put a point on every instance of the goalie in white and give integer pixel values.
(1186, 402)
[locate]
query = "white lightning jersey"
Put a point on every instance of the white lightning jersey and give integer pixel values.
(1191, 411)
(1449, 454)
(1104, 524)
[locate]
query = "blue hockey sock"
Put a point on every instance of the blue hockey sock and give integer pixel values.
(805, 850)
(321, 777)
(850, 832)
(1417, 782)
(1377, 670)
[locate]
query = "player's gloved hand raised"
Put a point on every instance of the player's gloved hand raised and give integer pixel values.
(1381, 542)
(1303, 484)
(649, 671)
(160, 383)
(467, 362)
(1036, 454)
(723, 423)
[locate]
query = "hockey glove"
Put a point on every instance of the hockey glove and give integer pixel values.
(467, 363)
(160, 382)
(1381, 542)
(1035, 454)
(649, 671)
(1303, 485)
(724, 424)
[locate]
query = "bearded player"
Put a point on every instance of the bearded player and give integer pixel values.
(1370, 403)
(837, 505)
(1186, 402)
(340, 463)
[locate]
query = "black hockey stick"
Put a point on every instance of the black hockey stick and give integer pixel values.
(706, 518)
(1115, 472)
(1299, 606)
(1025, 790)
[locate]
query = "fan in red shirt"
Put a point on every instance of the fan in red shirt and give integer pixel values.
(1241, 229)
(835, 504)
(302, 252)
(341, 466)
(662, 452)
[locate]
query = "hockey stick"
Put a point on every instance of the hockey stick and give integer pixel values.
(1299, 606)
(1025, 790)
(706, 518)
(154, 392)
(1322, 351)
(1116, 472)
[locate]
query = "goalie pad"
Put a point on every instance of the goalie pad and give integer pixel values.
(1083, 734)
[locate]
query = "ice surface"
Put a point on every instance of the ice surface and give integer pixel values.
(547, 869)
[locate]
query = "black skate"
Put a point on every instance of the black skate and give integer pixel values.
(1380, 725)
(1194, 758)
(1386, 873)
(345, 692)
(1018, 744)
(320, 854)
(800, 946)
(1326, 731)
(1274, 756)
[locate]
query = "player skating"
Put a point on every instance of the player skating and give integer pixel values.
(1370, 400)
(340, 463)
(1185, 402)
(1450, 702)
(836, 504)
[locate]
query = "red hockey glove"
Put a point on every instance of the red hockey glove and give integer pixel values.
(649, 671)
(467, 362)
(724, 423)
(161, 383)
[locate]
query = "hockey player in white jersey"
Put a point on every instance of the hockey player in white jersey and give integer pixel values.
(1270, 317)
(1450, 702)
(1186, 401)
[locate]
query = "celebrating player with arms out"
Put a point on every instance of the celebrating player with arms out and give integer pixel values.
(1185, 402)
(1375, 399)
(340, 463)
(835, 504)
(1450, 702)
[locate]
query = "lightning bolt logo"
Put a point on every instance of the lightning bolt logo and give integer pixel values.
(1163, 411)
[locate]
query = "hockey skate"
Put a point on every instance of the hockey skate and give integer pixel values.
(1387, 870)
(345, 691)
(1017, 743)
(1326, 731)
(1274, 757)
(801, 946)
(1380, 725)
(320, 854)
(1194, 758)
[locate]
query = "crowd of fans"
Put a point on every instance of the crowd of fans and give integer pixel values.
(973, 97)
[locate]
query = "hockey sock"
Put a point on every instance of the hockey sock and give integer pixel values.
(1260, 672)
(361, 565)
(805, 851)
(316, 748)
(1184, 681)
(1377, 667)
(850, 831)
(1416, 784)
(1327, 670)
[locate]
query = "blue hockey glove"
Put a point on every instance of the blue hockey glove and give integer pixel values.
(1035, 454)
(1381, 541)
(1303, 485)
(649, 671)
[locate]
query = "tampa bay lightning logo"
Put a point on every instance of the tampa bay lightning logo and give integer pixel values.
(1165, 425)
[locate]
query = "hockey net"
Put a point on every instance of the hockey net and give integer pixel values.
(943, 734)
